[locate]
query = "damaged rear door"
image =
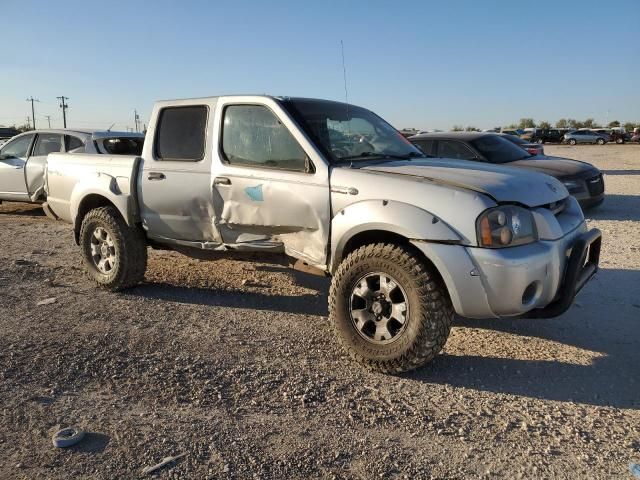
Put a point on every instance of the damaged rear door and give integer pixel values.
(270, 185)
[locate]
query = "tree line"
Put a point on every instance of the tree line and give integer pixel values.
(562, 123)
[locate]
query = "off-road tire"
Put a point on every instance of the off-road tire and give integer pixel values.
(130, 249)
(430, 311)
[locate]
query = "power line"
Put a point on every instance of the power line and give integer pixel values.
(33, 111)
(64, 107)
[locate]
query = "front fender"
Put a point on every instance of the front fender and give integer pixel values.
(115, 190)
(400, 218)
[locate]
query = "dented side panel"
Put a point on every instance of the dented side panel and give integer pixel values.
(254, 205)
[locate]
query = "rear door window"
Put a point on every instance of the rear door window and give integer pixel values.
(453, 149)
(425, 145)
(73, 144)
(181, 133)
(47, 143)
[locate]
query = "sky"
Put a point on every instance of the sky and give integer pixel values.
(423, 64)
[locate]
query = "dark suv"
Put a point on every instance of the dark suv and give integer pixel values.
(547, 135)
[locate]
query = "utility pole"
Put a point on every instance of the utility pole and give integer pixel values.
(64, 107)
(29, 122)
(136, 120)
(48, 117)
(33, 112)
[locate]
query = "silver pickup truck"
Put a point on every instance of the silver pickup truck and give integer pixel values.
(409, 241)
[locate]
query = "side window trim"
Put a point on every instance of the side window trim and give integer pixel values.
(309, 166)
(158, 130)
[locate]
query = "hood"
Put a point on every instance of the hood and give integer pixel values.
(555, 166)
(503, 184)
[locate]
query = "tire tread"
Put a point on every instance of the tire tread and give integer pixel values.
(133, 253)
(436, 314)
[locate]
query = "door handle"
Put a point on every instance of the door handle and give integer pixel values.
(156, 176)
(221, 181)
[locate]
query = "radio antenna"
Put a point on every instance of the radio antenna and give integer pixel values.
(344, 74)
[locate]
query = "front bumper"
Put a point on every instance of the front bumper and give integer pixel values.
(529, 279)
(582, 265)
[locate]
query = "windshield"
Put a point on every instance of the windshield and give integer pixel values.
(499, 150)
(349, 133)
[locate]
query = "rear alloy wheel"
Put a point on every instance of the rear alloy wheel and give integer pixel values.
(572, 141)
(114, 254)
(619, 141)
(600, 141)
(388, 308)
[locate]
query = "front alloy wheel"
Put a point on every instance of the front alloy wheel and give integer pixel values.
(379, 309)
(389, 308)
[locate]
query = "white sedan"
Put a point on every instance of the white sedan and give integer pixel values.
(23, 158)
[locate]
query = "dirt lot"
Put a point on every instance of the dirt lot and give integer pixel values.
(235, 364)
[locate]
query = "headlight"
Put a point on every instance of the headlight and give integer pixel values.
(506, 226)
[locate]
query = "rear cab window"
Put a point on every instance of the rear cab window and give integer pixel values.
(181, 133)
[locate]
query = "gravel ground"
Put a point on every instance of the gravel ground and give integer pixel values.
(234, 364)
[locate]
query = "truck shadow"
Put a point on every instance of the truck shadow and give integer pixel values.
(616, 207)
(26, 209)
(309, 304)
(607, 324)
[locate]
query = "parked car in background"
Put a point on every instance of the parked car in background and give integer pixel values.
(585, 136)
(7, 132)
(583, 180)
(547, 135)
(615, 135)
(409, 241)
(23, 158)
(532, 148)
(635, 138)
(515, 133)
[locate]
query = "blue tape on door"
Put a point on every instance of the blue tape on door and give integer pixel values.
(255, 193)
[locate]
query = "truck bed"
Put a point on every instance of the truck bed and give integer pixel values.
(71, 177)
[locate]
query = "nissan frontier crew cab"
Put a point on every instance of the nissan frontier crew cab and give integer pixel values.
(409, 240)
